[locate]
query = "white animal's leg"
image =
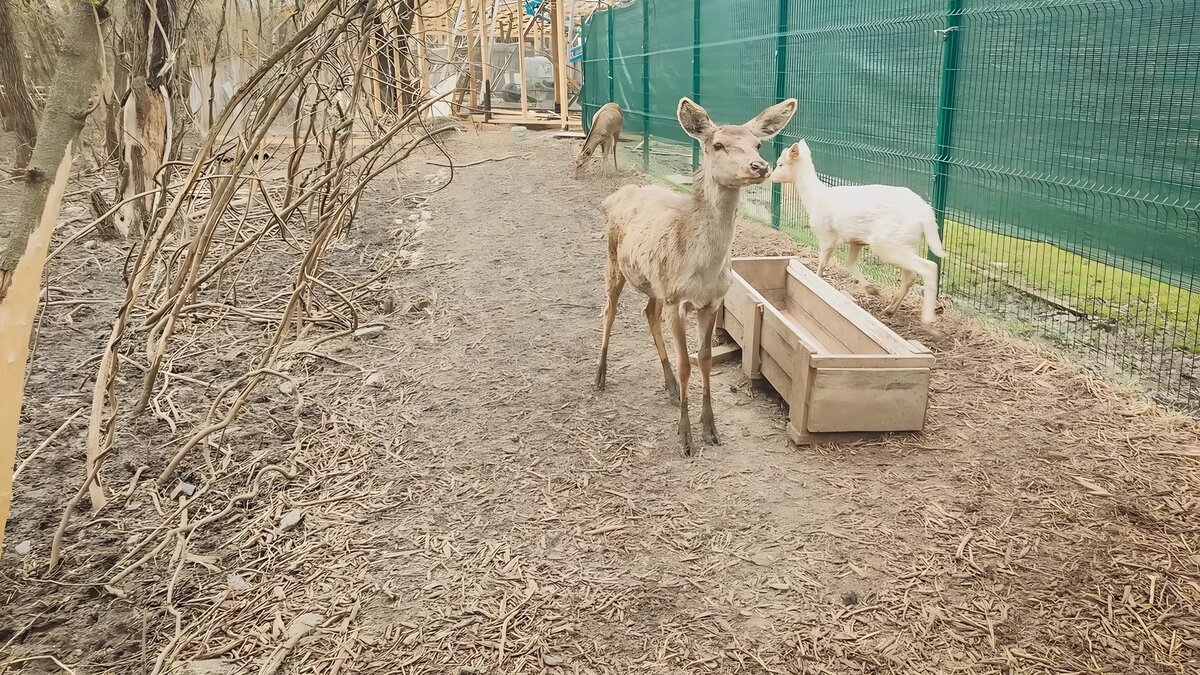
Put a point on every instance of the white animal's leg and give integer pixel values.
(914, 263)
(929, 275)
(677, 314)
(906, 279)
(826, 254)
(855, 271)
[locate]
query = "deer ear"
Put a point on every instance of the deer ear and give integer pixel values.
(772, 120)
(694, 119)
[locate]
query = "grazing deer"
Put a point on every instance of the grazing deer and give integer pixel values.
(603, 134)
(675, 248)
(889, 219)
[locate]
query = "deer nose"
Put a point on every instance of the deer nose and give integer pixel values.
(760, 167)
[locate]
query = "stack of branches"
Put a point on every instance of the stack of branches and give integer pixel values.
(289, 178)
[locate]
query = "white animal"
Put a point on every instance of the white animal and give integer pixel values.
(676, 248)
(889, 219)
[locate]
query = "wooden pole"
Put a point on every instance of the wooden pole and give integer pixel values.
(560, 52)
(485, 84)
(393, 40)
(467, 22)
(521, 58)
(377, 76)
(424, 86)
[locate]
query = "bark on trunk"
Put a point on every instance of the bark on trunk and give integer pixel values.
(146, 117)
(16, 104)
(23, 243)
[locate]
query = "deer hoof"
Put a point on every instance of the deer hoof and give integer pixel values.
(600, 380)
(710, 435)
(686, 441)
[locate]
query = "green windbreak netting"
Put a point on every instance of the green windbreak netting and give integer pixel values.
(1070, 122)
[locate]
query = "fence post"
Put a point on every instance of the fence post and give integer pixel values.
(780, 94)
(696, 74)
(945, 122)
(646, 86)
(612, 74)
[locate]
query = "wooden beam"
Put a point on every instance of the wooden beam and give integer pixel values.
(485, 85)
(424, 86)
(560, 53)
(469, 34)
(377, 76)
(720, 354)
(521, 59)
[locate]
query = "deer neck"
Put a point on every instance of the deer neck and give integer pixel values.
(715, 208)
(809, 185)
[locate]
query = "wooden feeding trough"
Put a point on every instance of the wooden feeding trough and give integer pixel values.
(842, 372)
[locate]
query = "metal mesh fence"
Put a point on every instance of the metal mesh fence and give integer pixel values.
(1058, 140)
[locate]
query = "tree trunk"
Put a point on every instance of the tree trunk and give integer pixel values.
(16, 105)
(146, 118)
(25, 239)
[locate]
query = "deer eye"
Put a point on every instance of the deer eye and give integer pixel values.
(718, 146)
(758, 146)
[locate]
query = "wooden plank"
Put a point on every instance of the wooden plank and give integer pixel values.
(521, 66)
(778, 340)
(737, 297)
(827, 323)
(880, 399)
(484, 67)
(560, 61)
(873, 361)
(800, 372)
(763, 273)
(751, 318)
(720, 354)
(733, 325)
(808, 438)
(826, 339)
(859, 317)
(795, 330)
(775, 375)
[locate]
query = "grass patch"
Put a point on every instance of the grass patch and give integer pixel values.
(1154, 309)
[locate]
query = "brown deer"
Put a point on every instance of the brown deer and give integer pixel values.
(603, 134)
(675, 248)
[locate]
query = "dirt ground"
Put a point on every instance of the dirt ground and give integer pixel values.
(467, 502)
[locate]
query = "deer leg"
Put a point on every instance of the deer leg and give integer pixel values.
(654, 308)
(612, 151)
(856, 272)
(707, 319)
(906, 280)
(684, 368)
(826, 254)
(615, 283)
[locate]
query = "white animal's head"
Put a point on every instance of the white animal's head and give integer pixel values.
(731, 151)
(794, 162)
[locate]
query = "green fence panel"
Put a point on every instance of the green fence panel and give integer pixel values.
(1062, 138)
(1078, 125)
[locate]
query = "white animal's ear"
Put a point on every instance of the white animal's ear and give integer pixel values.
(772, 120)
(694, 119)
(793, 151)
